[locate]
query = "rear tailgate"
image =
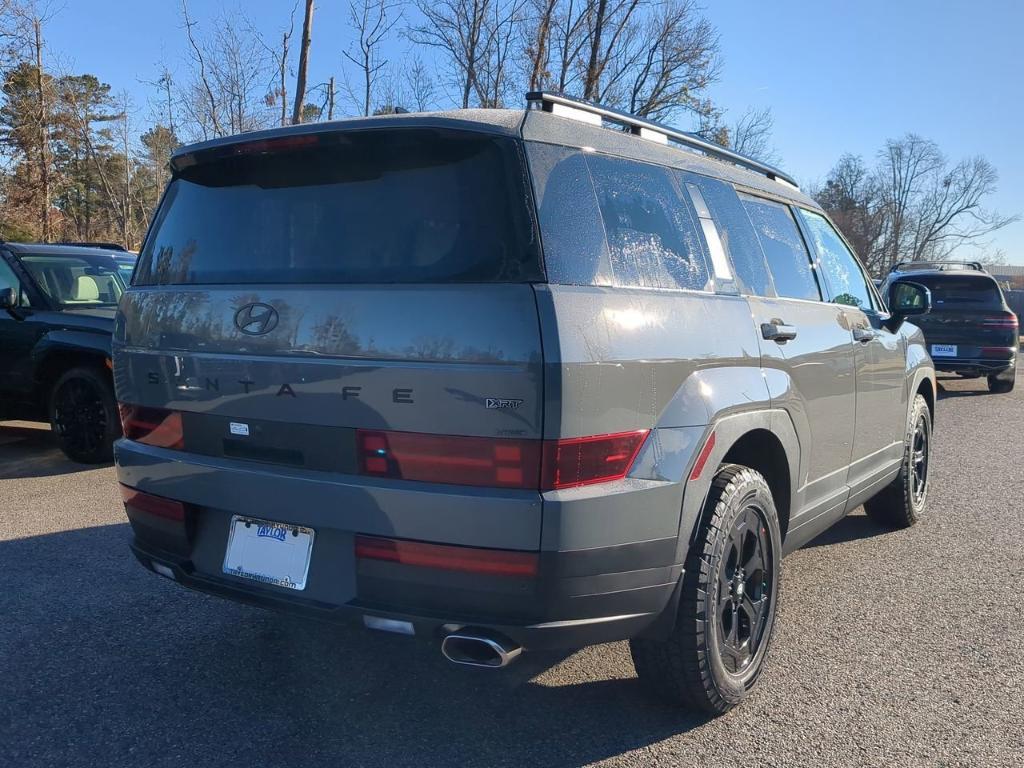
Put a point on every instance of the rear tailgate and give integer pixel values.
(293, 299)
(969, 319)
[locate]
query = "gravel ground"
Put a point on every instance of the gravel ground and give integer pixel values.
(891, 648)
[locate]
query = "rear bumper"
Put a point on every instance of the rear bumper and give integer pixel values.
(578, 596)
(651, 613)
(973, 366)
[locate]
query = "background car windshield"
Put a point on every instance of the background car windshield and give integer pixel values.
(76, 281)
(974, 292)
(402, 206)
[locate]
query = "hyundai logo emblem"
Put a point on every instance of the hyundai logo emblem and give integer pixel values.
(255, 319)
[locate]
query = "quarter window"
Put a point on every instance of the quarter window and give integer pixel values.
(845, 277)
(652, 240)
(784, 248)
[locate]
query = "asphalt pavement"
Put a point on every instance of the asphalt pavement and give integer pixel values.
(891, 649)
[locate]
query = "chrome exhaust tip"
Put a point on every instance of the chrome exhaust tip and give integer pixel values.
(479, 650)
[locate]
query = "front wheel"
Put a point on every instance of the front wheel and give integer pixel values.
(902, 503)
(83, 415)
(730, 589)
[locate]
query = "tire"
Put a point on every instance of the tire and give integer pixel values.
(902, 503)
(695, 667)
(83, 415)
(998, 386)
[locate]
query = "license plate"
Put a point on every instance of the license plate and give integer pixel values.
(943, 350)
(269, 552)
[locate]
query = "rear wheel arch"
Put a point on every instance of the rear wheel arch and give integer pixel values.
(762, 451)
(766, 440)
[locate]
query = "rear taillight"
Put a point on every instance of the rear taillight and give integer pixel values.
(156, 506)
(1005, 322)
(152, 426)
(493, 562)
(586, 460)
(498, 462)
(502, 463)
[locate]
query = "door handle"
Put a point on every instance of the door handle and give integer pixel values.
(778, 331)
(864, 335)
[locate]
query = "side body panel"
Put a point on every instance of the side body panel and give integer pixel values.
(624, 359)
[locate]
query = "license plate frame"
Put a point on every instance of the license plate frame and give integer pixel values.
(269, 552)
(944, 350)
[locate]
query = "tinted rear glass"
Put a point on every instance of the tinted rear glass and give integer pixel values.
(967, 292)
(612, 221)
(382, 206)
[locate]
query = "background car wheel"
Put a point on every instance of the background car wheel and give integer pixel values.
(83, 415)
(901, 503)
(727, 606)
(1001, 386)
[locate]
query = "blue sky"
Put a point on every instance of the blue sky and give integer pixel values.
(839, 76)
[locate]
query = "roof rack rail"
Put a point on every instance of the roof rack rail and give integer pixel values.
(595, 114)
(941, 266)
(104, 246)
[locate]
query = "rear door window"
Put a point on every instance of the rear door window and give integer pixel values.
(652, 239)
(384, 206)
(788, 259)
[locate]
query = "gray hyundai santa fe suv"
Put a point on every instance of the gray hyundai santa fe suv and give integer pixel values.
(510, 380)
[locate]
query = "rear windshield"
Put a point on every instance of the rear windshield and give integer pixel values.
(968, 292)
(395, 206)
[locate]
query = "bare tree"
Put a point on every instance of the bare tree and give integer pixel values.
(569, 40)
(456, 28)
(300, 79)
(904, 165)
(207, 106)
(229, 72)
(949, 213)
(373, 20)
(538, 29)
(278, 93)
(419, 84)
(500, 32)
(751, 135)
(913, 205)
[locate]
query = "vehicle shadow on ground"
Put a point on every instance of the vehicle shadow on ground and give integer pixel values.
(854, 527)
(32, 452)
(135, 668)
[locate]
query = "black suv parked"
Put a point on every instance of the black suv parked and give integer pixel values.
(971, 330)
(57, 306)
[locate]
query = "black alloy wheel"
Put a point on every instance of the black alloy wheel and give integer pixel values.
(919, 460)
(83, 415)
(744, 590)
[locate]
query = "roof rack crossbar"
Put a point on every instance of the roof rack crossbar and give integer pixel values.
(649, 129)
(942, 266)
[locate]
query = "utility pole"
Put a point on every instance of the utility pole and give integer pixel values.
(43, 134)
(300, 80)
(330, 99)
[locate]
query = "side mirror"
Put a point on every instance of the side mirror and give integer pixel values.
(8, 298)
(907, 299)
